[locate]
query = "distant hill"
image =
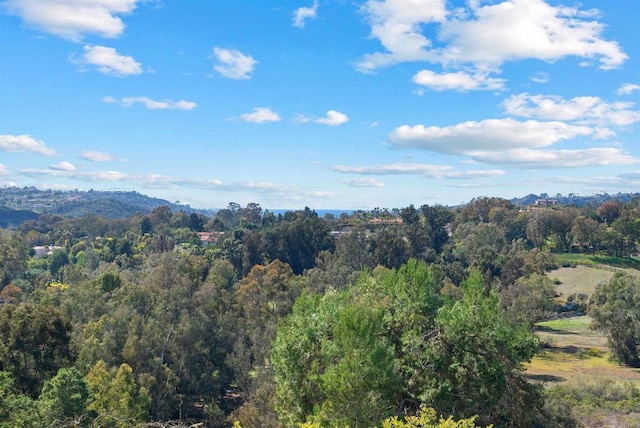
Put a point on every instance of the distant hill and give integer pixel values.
(576, 200)
(10, 218)
(76, 203)
(20, 204)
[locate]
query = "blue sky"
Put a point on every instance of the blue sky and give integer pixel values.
(330, 104)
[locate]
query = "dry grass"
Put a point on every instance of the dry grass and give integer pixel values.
(575, 352)
(579, 280)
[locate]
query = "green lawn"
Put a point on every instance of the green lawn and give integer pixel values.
(600, 260)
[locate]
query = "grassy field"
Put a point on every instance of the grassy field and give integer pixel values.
(573, 351)
(588, 271)
(575, 362)
(600, 260)
(580, 280)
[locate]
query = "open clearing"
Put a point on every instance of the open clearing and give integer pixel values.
(575, 353)
(579, 280)
(576, 357)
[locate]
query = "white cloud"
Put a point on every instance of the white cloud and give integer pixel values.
(512, 143)
(233, 64)
(528, 158)
(152, 104)
(628, 88)
(95, 156)
(490, 134)
(261, 115)
(24, 143)
(397, 24)
(431, 171)
(109, 61)
(64, 166)
(72, 19)
(540, 77)
(4, 171)
(582, 109)
(333, 118)
(520, 29)
(459, 81)
(57, 171)
(486, 36)
(303, 13)
(363, 182)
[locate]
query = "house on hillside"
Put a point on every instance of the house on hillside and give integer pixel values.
(209, 238)
(42, 251)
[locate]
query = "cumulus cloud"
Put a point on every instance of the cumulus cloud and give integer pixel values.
(397, 25)
(261, 115)
(363, 182)
(431, 171)
(109, 61)
(333, 118)
(24, 143)
(490, 134)
(485, 36)
(581, 109)
(628, 88)
(301, 14)
(458, 81)
(233, 64)
(522, 29)
(72, 19)
(513, 143)
(152, 104)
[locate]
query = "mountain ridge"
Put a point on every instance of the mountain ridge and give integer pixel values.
(26, 203)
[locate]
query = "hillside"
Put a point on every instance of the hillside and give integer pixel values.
(10, 218)
(573, 199)
(76, 203)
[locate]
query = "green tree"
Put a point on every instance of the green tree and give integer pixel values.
(389, 345)
(13, 257)
(117, 399)
(348, 358)
(16, 410)
(435, 220)
(298, 239)
(333, 364)
(34, 344)
(390, 249)
(64, 398)
(615, 310)
(529, 300)
(352, 249)
(476, 360)
(587, 233)
(57, 261)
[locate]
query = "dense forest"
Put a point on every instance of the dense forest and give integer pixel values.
(389, 317)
